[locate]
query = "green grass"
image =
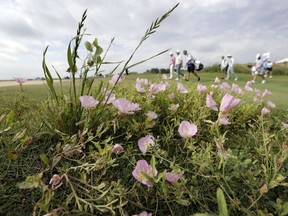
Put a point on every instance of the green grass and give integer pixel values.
(277, 85)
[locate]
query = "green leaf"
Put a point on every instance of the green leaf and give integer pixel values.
(95, 42)
(19, 135)
(89, 46)
(164, 188)
(44, 159)
(99, 51)
(70, 58)
(285, 209)
(149, 178)
(223, 211)
(55, 161)
(48, 77)
(31, 182)
(153, 164)
(183, 202)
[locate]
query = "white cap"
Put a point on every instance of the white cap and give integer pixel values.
(229, 55)
(177, 51)
(171, 53)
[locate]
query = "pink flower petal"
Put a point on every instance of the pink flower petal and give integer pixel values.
(126, 106)
(172, 177)
(143, 166)
(210, 103)
(187, 130)
(145, 142)
(88, 101)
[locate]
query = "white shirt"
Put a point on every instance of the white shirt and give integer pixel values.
(189, 59)
(178, 59)
(269, 64)
(224, 63)
(230, 61)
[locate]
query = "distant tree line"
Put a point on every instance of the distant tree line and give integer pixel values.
(278, 69)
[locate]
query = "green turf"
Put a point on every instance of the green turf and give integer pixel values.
(277, 85)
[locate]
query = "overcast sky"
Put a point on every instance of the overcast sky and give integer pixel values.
(206, 28)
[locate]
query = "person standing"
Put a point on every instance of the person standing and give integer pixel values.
(178, 63)
(171, 65)
(230, 69)
(259, 69)
(190, 65)
(223, 66)
(269, 68)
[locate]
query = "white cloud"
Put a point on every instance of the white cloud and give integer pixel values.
(207, 28)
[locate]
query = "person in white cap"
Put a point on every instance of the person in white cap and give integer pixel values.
(171, 65)
(259, 69)
(178, 63)
(230, 69)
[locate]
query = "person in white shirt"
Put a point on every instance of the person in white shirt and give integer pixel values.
(178, 63)
(171, 65)
(230, 69)
(190, 64)
(223, 66)
(269, 68)
(259, 69)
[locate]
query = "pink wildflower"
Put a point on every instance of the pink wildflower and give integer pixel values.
(248, 86)
(55, 180)
(139, 87)
(117, 148)
(145, 142)
(210, 103)
(201, 88)
(271, 105)
(171, 96)
(217, 80)
(265, 111)
(115, 77)
(144, 213)
(173, 177)
(223, 120)
(187, 130)
(155, 88)
(164, 76)
(228, 102)
(143, 167)
(126, 106)
(111, 98)
(214, 86)
(88, 101)
(236, 89)
(224, 86)
(142, 81)
(20, 80)
(152, 115)
(266, 93)
(182, 89)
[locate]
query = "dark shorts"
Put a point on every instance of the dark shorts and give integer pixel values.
(225, 69)
(269, 69)
(191, 68)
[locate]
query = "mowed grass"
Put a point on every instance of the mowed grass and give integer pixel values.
(277, 85)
